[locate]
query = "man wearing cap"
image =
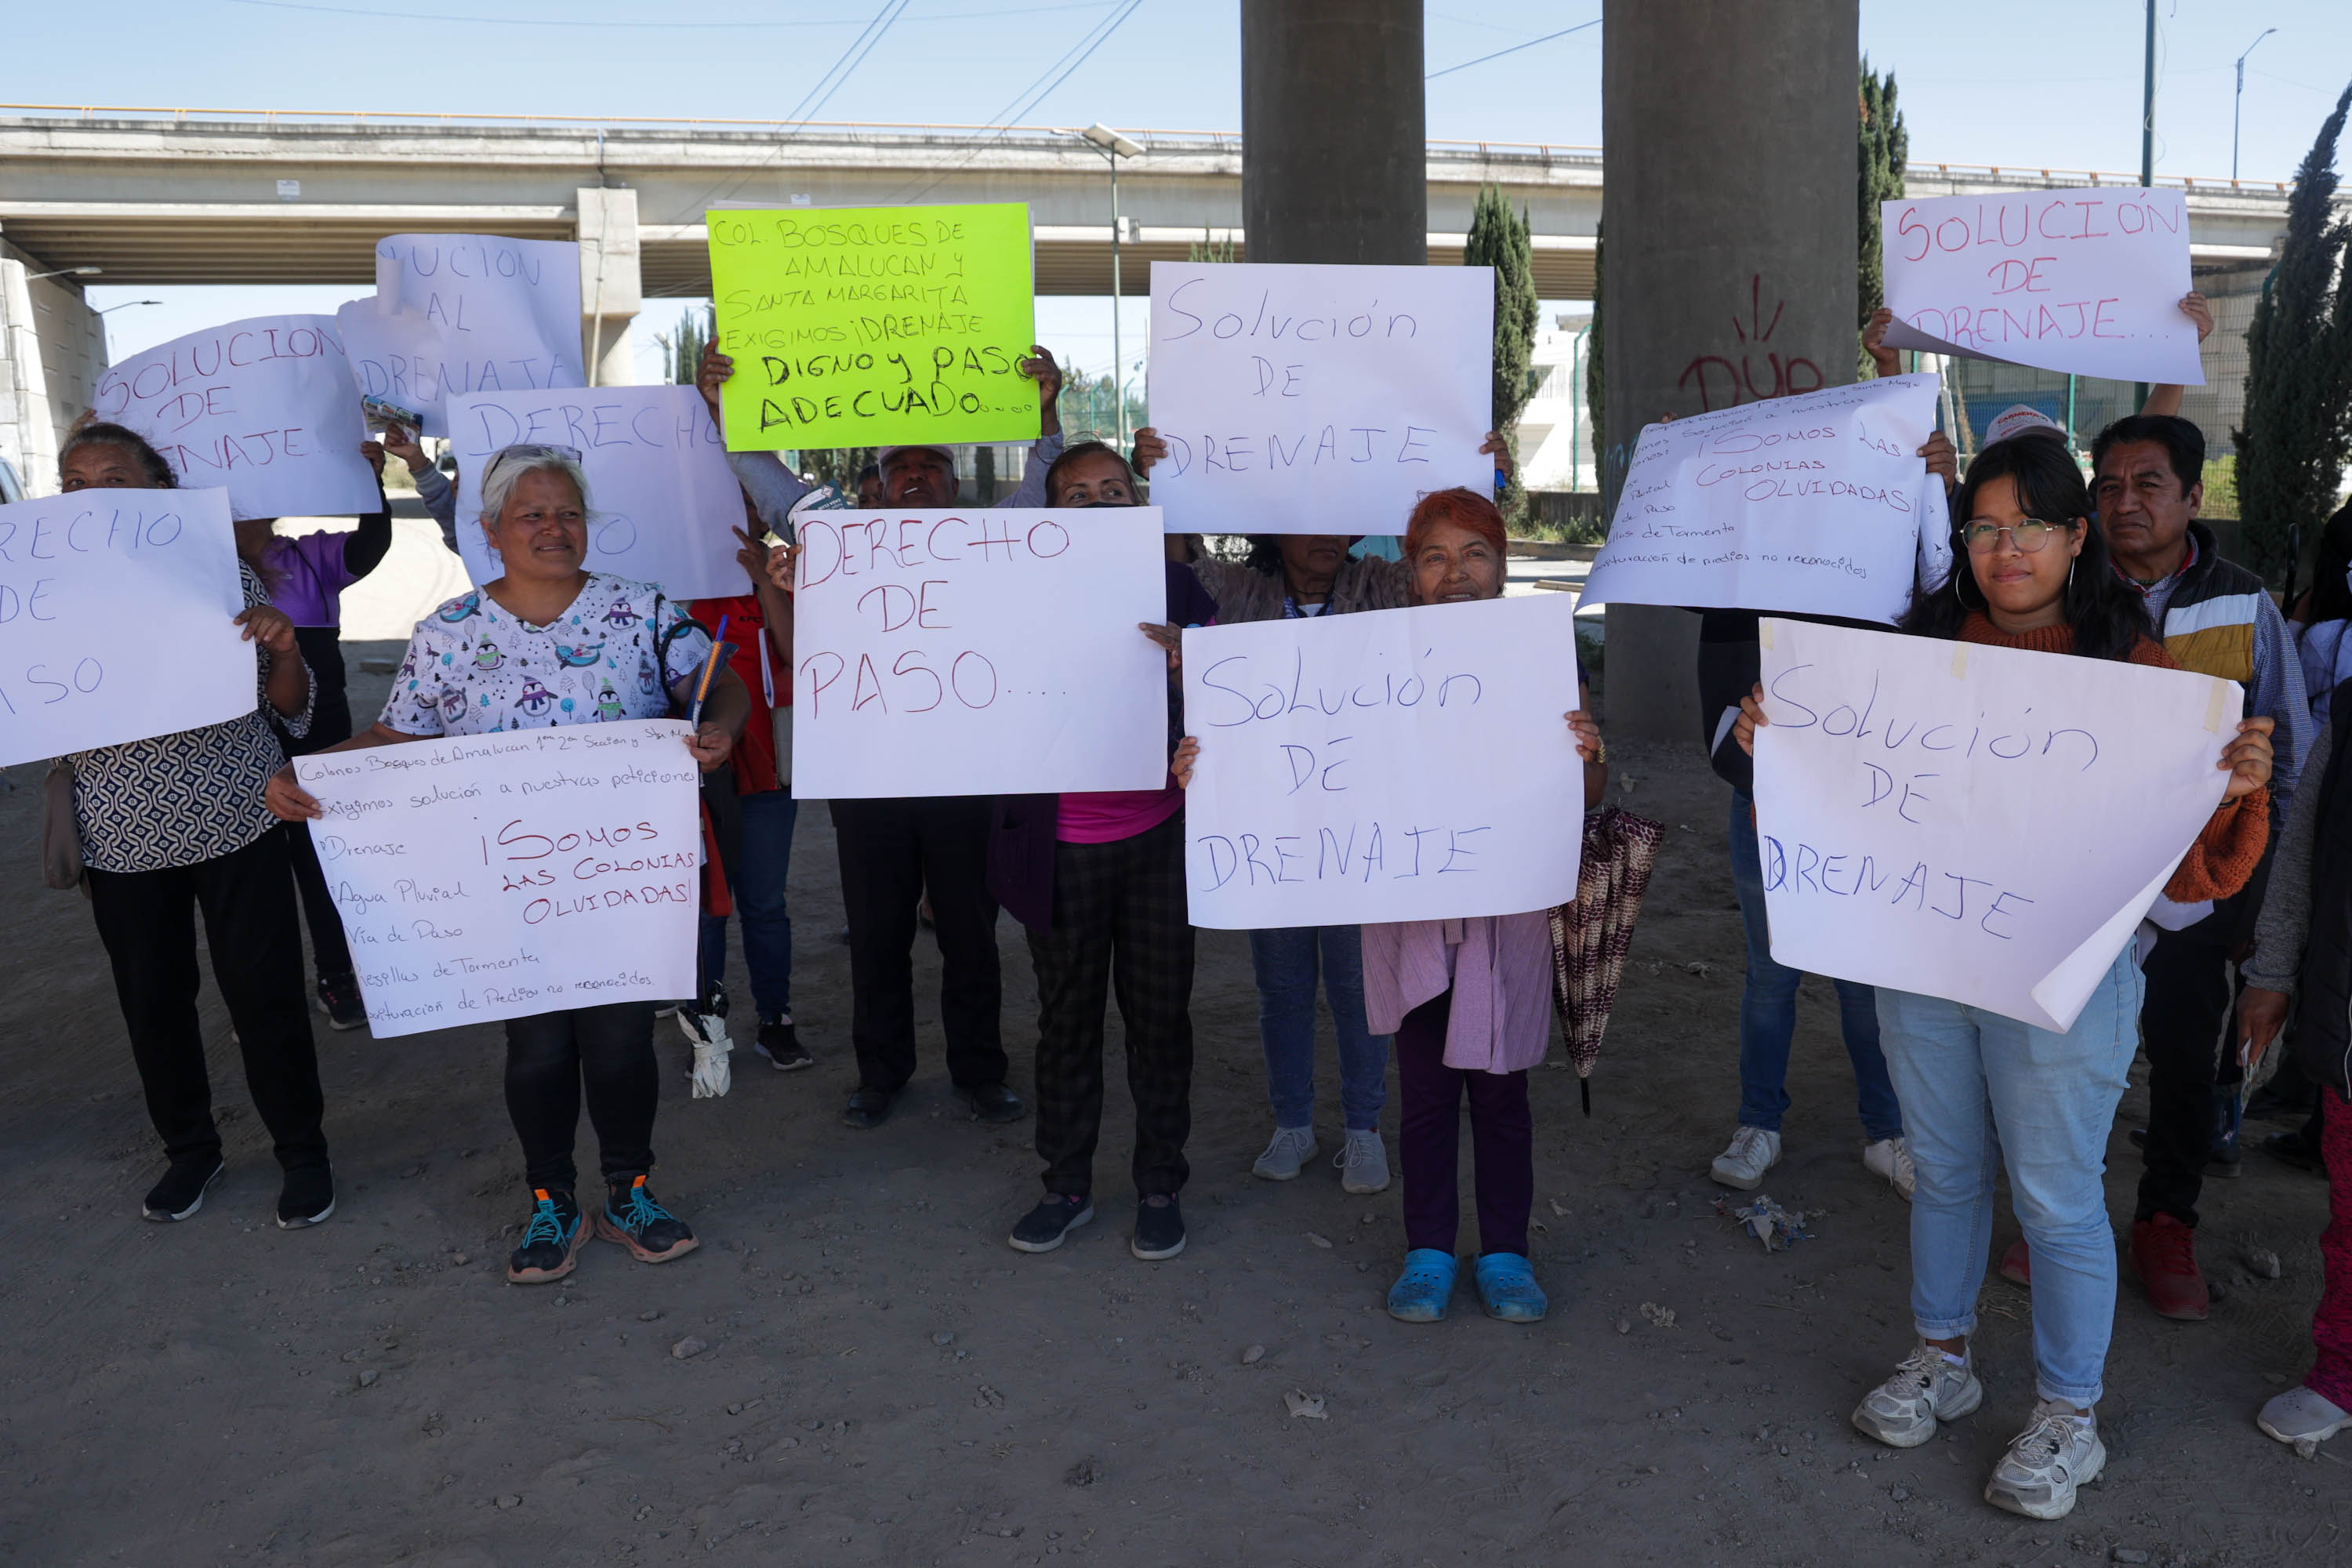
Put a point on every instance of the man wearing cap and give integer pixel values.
(895, 852)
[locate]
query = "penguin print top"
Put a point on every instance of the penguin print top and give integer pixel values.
(472, 668)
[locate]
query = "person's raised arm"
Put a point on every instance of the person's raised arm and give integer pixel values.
(773, 589)
(1886, 360)
(2165, 396)
(365, 546)
(772, 486)
(1040, 368)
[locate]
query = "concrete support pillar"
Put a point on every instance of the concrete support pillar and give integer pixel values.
(52, 352)
(1728, 216)
(1335, 163)
(611, 291)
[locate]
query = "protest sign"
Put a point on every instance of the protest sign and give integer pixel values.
(1980, 824)
(1391, 765)
(264, 408)
(490, 876)
(455, 313)
(1815, 503)
(2086, 281)
(875, 326)
(1300, 399)
(664, 504)
(116, 620)
(978, 653)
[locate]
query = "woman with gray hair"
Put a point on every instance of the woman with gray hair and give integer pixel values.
(544, 644)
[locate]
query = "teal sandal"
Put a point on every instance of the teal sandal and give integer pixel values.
(1421, 1292)
(1506, 1284)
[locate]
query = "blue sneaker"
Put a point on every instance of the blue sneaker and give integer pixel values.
(650, 1232)
(1421, 1292)
(1506, 1283)
(551, 1242)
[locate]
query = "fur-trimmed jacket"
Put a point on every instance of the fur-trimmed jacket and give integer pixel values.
(1242, 594)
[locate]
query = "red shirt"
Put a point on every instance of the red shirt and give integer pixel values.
(770, 684)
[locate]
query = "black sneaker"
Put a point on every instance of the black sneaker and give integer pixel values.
(781, 1045)
(552, 1241)
(992, 1102)
(650, 1232)
(2293, 1148)
(181, 1191)
(1158, 1229)
(869, 1108)
(339, 998)
(1043, 1228)
(308, 1196)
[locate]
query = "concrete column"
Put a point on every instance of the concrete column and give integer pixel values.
(52, 352)
(1728, 214)
(1335, 163)
(610, 290)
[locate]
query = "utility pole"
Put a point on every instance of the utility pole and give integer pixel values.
(1113, 147)
(2238, 102)
(2147, 147)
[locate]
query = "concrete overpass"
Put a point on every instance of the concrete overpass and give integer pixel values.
(196, 196)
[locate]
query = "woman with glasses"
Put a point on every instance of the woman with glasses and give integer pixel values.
(1980, 1090)
(546, 644)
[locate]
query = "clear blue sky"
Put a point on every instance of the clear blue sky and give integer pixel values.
(2000, 81)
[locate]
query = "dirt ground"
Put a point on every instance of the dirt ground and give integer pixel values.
(885, 1381)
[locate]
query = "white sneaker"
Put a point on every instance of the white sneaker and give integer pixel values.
(1753, 1152)
(1284, 1158)
(1890, 1158)
(2302, 1416)
(1363, 1163)
(2046, 1462)
(1926, 1388)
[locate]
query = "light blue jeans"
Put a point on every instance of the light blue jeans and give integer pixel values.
(1284, 959)
(1979, 1089)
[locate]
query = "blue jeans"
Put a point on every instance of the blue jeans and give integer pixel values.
(1768, 1010)
(757, 887)
(1982, 1089)
(1284, 959)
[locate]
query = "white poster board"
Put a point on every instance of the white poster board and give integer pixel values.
(490, 876)
(1817, 503)
(264, 408)
(2086, 281)
(664, 504)
(1315, 399)
(117, 611)
(978, 653)
(455, 313)
(1389, 765)
(1980, 824)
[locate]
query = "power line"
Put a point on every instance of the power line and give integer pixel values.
(378, 15)
(1514, 49)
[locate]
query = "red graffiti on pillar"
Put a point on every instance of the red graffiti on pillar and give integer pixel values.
(1722, 384)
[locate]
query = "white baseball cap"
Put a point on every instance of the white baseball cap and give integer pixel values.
(2020, 419)
(882, 458)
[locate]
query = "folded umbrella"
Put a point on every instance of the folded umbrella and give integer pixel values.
(1589, 936)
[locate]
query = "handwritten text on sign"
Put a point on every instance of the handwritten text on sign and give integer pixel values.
(496, 876)
(1813, 503)
(979, 653)
(2087, 281)
(1390, 765)
(1980, 824)
(1298, 399)
(662, 502)
(875, 326)
(455, 313)
(264, 408)
(116, 612)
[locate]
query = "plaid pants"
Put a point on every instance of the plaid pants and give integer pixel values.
(1119, 922)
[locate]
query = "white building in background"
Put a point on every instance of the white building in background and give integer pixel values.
(1555, 429)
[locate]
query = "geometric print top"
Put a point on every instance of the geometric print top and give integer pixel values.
(473, 667)
(178, 799)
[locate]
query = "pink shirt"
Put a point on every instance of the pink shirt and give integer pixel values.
(1109, 816)
(1499, 968)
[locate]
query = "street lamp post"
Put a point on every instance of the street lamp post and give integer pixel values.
(1113, 147)
(66, 272)
(2239, 102)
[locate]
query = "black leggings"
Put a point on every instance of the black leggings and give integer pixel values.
(550, 1055)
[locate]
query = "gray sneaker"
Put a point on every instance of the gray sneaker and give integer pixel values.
(1926, 1388)
(1291, 1149)
(1363, 1164)
(2046, 1462)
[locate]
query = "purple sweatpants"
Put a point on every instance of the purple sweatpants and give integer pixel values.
(1502, 1140)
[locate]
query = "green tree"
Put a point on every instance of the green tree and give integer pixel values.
(2298, 419)
(1499, 238)
(1206, 248)
(685, 342)
(1884, 148)
(1596, 389)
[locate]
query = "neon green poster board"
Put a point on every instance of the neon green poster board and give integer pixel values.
(875, 326)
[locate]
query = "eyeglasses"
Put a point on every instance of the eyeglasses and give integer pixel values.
(2032, 535)
(527, 454)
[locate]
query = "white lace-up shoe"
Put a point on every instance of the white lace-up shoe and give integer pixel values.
(1926, 1388)
(1286, 1155)
(1753, 1152)
(1890, 1158)
(2046, 1462)
(1363, 1164)
(2302, 1416)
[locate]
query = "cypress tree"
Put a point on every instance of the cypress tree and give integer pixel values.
(1883, 148)
(1499, 238)
(2298, 411)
